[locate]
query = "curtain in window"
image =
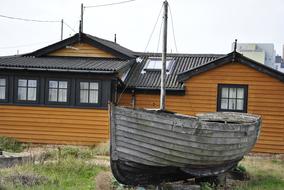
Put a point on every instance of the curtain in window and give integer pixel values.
(27, 89)
(89, 92)
(2, 89)
(57, 91)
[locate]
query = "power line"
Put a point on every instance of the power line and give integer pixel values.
(109, 4)
(160, 32)
(35, 20)
(173, 30)
(153, 29)
(25, 45)
(69, 26)
(29, 20)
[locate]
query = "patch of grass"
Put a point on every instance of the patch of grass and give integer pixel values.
(101, 149)
(206, 186)
(64, 152)
(240, 168)
(68, 174)
(265, 182)
(10, 144)
(265, 174)
(75, 152)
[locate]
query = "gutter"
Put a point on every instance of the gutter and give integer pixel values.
(170, 91)
(59, 70)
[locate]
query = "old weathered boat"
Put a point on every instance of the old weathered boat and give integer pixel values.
(149, 147)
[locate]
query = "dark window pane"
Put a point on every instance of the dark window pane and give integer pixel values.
(232, 104)
(53, 84)
(225, 92)
(232, 93)
(240, 104)
(2, 82)
(93, 96)
(22, 93)
(224, 104)
(84, 96)
(32, 83)
(240, 93)
(32, 94)
(84, 85)
(22, 82)
(2, 93)
(62, 84)
(94, 85)
(52, 95)
(62, 95)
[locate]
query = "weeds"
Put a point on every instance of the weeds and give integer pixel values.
(265, 174)
(206, 186)
(10, 144)
(101, 149)
(69, 174)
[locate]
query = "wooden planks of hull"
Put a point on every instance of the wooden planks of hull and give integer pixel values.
(194, 146)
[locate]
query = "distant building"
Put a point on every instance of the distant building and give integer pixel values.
(279, 63)
(261, 52)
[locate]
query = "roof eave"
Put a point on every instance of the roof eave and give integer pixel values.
(59, 70)
(229, 58)
(174, 91)
(77, 38)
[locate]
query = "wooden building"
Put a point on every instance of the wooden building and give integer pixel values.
(209, 83)
(59, 94)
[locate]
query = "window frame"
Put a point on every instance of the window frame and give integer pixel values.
(149, 59)
(78, 93)
(46, 92)
(37, 90)
(219, 97)
(6, 89)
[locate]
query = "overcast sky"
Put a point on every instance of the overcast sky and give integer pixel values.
(200, 26)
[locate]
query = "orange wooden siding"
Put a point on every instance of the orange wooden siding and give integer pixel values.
(81, 50)
(265, 97)
(54, 125)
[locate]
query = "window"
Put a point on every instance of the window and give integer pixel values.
(232, 98)
(3, 89)
(155, 64)
(89, 92)
(57, 91)
(27, 90)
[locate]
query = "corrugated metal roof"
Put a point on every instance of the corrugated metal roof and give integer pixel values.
(151, 79)
(64, 64)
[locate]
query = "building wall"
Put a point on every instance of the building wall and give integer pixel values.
(265, 98)
(54, 125)
(279, 67)
(257, 56)
(43, 122)
(261, 52)
(81, 50)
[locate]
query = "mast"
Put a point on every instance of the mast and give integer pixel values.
(164, 58)
(82, 19)
(61, 35)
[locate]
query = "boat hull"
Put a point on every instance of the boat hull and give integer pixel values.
(149, 147)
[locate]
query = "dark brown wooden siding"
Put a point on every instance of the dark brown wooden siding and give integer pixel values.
(265, 97)
(54, 125)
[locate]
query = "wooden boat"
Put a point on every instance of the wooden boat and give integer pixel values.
(149, 147)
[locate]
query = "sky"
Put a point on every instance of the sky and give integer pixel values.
(200, 26)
